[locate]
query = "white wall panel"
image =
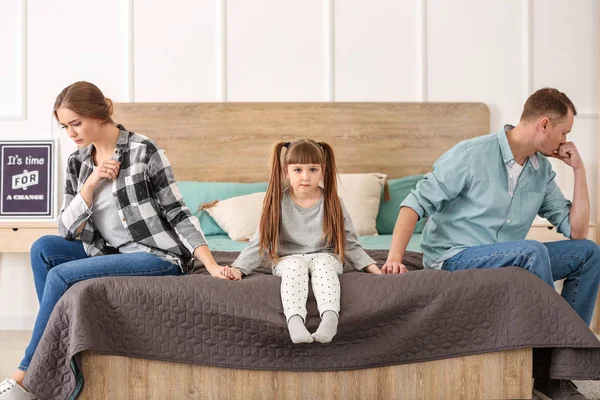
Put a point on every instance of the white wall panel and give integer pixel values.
(492, 51)
(67, 40)
(66, 44)
(276, 50)
(474, 54)
(174, 46)
(566, 43)
(376, 56)
(12, 68)
(566, 39)
(585, 137)
(18, 300)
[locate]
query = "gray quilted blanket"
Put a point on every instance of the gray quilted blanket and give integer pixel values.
(384, 320)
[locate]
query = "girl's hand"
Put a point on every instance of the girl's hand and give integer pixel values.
(216, 271)
(231, 273)
(372, 269)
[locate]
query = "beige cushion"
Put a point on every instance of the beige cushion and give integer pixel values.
(361, 193)
(238, 216)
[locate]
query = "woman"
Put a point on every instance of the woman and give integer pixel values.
(123, 214)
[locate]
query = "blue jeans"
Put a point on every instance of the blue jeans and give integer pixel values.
(58, 263)
(576, 260)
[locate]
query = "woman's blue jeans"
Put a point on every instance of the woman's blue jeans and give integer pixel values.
(59, 263)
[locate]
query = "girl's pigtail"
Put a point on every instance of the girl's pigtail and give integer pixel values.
(270, 219)
(333, 224)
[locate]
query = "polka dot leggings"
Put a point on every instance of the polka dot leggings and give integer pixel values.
(294, 271)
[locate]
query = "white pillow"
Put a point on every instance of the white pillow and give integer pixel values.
(238, 216)
(361, 194)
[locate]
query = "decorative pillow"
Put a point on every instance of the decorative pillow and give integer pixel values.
(362, 194)
(388, 210)
(197, 193)
(238, 216)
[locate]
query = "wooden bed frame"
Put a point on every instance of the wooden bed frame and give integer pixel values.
(230, 142)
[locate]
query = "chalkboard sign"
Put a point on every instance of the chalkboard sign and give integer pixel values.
(27, 179)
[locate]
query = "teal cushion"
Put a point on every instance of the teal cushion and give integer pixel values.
(388, 210)
(197, 193)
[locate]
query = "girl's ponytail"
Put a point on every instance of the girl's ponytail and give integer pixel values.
(270, 218)
(333, 223)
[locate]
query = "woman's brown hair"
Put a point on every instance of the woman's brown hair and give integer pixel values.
(86, 100)
(302, 151)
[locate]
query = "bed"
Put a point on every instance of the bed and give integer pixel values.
(430, 342)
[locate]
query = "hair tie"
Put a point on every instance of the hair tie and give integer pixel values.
(286, 144)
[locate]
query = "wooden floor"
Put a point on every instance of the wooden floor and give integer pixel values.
(12, 347)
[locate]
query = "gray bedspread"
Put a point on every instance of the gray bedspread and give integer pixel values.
(384, 320)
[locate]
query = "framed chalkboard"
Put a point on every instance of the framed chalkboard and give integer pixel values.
(27, 179)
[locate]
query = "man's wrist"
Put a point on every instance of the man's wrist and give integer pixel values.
(395, 257)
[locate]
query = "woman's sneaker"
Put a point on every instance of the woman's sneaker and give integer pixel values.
(11, 390)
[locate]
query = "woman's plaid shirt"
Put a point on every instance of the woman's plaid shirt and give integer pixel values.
(148, 199)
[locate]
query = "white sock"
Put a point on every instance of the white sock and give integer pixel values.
(327, 328)
(298, 331)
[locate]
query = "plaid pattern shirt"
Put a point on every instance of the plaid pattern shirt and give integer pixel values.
(148, 199)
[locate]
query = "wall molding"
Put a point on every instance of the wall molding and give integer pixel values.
(20, 110)
(128, 50)
(421, 56)
(221, 51)
(16, 323)
(527, 48)
(329, 49)
(587, 112)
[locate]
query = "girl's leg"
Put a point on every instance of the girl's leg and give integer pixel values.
(293, 271)
(324, 269)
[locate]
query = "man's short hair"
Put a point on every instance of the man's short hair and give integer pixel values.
(548, 102)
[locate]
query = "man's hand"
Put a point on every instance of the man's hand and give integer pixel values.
(568, 153)
(393, 267)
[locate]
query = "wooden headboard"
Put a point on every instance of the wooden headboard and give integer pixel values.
(230, 142)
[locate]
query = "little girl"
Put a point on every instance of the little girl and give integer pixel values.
(304, 230)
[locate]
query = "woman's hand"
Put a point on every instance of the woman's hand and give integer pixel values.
(372, 269)
(216, 271)
(203, 254)
(108, 169)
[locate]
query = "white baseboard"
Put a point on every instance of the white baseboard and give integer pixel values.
(16, 323)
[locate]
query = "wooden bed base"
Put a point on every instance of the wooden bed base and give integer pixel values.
(500, 375)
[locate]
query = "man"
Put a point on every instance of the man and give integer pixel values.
(483, 196)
